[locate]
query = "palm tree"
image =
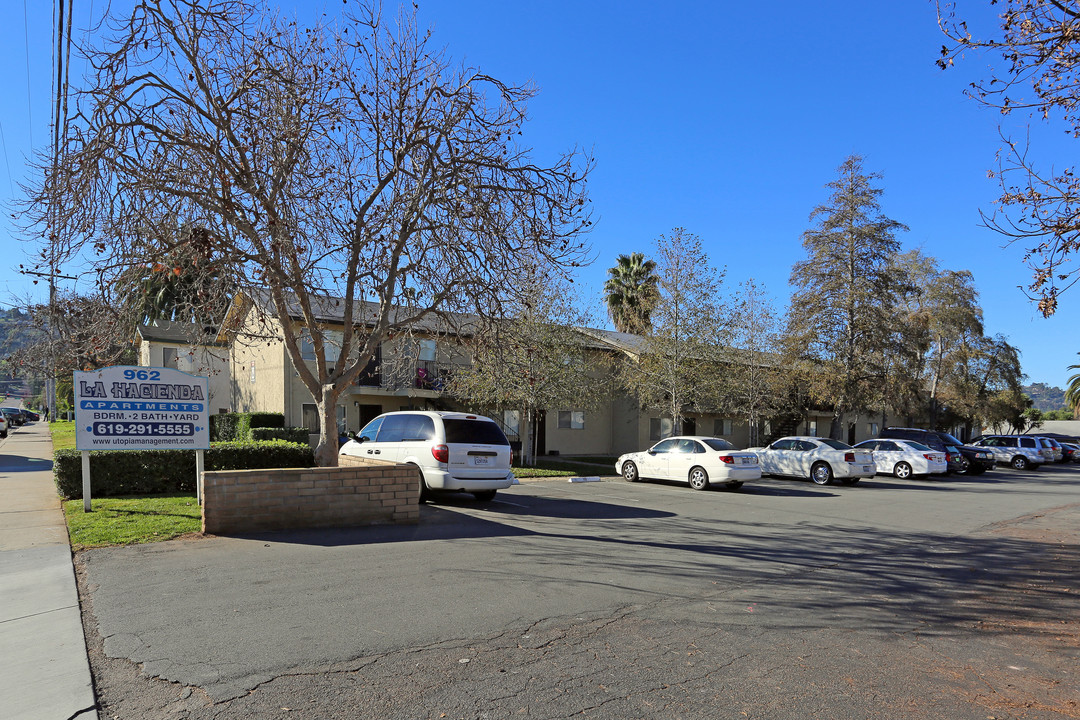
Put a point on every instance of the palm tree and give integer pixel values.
(1072, 393)
(631, 292)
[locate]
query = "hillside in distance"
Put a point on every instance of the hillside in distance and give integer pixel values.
(1046, 398)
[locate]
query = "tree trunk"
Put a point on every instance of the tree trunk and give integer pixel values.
(525, 432)
(326, 452)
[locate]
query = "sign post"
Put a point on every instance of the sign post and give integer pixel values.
(140, 408)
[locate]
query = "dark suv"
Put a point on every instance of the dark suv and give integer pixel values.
(962, 459)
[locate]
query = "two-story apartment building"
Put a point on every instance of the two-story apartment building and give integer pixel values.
(412, 372)
(191, 349)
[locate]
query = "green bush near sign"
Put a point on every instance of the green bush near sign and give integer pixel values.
(290, 434)
(227, 427)
(154, 472)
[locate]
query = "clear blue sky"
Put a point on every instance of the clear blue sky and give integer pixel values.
(724, 118)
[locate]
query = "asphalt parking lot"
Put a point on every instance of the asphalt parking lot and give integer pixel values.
(612, 599)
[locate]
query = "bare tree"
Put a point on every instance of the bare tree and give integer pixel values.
(534, 360)
(338, 163)
(1039, 47)
(756, 381)
(679, 367)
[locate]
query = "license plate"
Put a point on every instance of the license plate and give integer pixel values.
(866, 468)
(480, 461)
(748, 461)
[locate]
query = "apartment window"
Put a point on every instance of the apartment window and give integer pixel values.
(572, 419)
(659, 428)
(332, 340)
(873, 429)
(427, 350)
(252, 372)
(512, 422)
(722, 427)
(811, 428)
(310, 413)
(168, 358)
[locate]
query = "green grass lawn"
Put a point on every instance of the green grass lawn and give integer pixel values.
(63, 434)
(131, 520)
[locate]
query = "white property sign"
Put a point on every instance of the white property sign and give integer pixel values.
(141, 408)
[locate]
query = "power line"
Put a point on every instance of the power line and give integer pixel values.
(26, 44)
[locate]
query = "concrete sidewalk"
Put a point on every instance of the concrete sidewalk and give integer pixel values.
(44, 672)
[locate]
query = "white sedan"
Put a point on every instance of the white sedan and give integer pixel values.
(820, 459)
(696, 460)
(904, 458)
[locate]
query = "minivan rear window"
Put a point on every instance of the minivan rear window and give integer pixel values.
(479, 432)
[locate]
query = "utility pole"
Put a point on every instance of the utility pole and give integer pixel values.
(50, 378)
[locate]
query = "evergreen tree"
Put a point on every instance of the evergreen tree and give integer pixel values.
(841, 306)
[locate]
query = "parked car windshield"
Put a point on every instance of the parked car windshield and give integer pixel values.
(835, 444)
(718, 444)
(479, 432)
(949, 439)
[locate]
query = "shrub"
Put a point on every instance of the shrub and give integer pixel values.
(223, 427)
(154, 472)
(292, 434)
(227, 427)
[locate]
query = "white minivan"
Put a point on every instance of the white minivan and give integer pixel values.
(453, 450)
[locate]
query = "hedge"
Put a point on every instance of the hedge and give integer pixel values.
(153, 472)
(227, 427)
(292, 434)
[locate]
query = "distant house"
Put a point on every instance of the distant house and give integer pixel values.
(191, 349)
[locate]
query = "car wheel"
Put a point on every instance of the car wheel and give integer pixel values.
(821, 473)
(733, 485)
(699, 479)
(425, 492)
(965, 466)
(484, 495)
(1019, 463)
(629, 472)
(902, 470)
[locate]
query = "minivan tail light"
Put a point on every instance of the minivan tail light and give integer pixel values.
(441, 453)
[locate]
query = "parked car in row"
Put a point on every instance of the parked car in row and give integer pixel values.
(452, 450)
(819, 459)
(1072, 451)
(961, 458)
(905, 458)
(1059, 452)
(1021, 452)
(13, 416)
(3, 426)
(697, 460)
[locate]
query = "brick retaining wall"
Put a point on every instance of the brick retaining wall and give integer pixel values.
(357, 493)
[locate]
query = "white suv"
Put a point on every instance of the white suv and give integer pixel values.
(453, 450)
(1020, 451)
